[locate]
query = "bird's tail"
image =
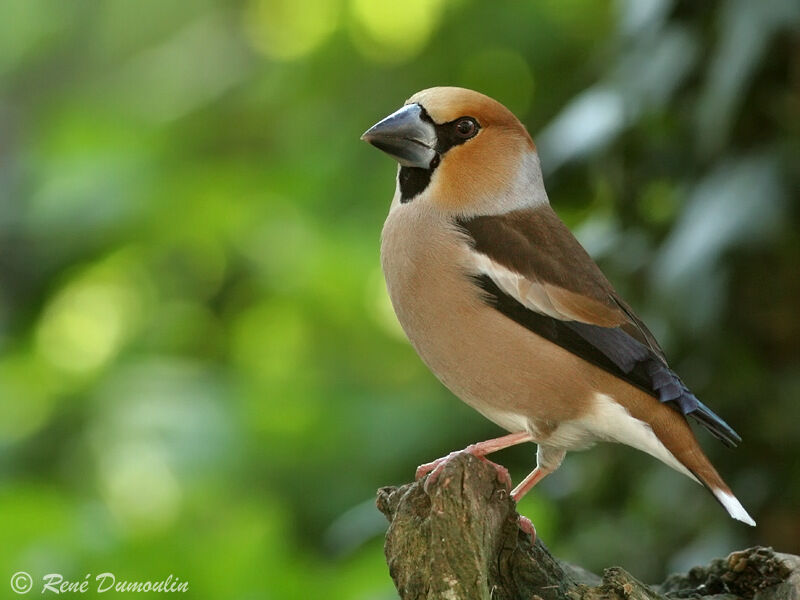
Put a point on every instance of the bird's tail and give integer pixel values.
(732, 505)
(706, 474)
(677, 437)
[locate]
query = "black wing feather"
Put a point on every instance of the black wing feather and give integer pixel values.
(615, 351)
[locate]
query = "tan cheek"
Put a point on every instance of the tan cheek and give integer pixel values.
(473, 173)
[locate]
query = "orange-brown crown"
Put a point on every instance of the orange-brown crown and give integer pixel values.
(474, 172)
(445, 104)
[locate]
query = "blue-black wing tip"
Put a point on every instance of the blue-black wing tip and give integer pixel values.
(674, 392)
(716, 426)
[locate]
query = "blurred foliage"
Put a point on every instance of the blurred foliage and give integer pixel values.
(199, 370)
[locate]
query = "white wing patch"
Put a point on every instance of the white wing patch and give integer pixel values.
(529, 292)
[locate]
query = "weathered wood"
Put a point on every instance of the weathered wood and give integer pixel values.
(458, 538)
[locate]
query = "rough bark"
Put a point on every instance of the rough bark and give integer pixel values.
(458, 538)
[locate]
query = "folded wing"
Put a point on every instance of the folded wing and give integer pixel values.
(532, 269)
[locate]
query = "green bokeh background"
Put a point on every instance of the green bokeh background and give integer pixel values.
(200, 373)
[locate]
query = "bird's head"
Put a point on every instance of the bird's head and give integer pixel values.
(460, 150)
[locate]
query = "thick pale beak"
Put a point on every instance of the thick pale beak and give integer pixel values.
(404, 136)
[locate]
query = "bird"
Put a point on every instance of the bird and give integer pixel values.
(509, 311)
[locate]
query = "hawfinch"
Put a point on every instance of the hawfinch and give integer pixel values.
(509, 311)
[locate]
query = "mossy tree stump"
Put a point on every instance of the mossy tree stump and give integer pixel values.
(458, 538)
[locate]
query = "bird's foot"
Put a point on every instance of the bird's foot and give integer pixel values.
(435, 467)
(426, 468)
(503, 475)
(527, 526)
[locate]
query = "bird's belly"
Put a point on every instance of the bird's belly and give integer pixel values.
(509, 374)
(513, 377)
(517, 384)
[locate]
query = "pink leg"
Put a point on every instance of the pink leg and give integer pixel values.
(548, 460)
(478, 450)
(527, 484)
(523, 488)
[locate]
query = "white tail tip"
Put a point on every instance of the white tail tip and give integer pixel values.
(734, 507)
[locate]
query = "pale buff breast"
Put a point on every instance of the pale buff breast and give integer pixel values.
(509, 374)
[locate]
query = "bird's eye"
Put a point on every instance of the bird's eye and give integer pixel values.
(466, 127)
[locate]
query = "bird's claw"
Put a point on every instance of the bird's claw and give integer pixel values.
(423, 470)
(435, 467)
(527, 526)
